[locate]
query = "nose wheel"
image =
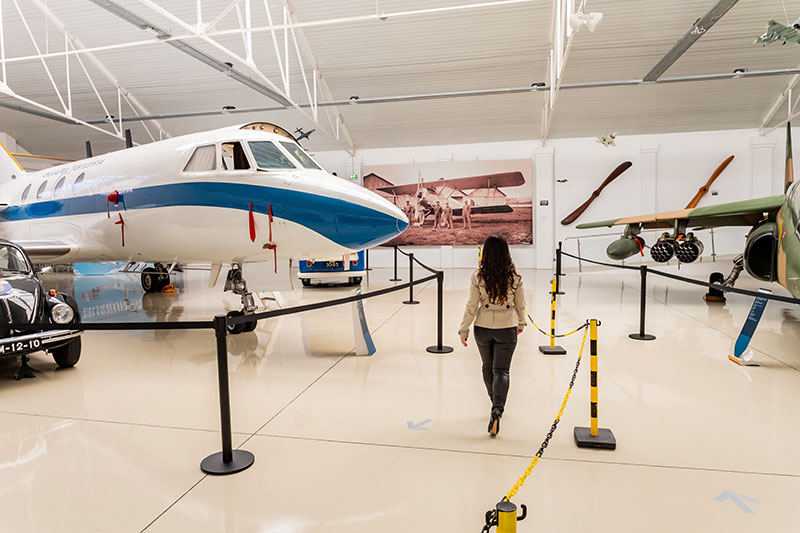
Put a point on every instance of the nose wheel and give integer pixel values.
(236, 284)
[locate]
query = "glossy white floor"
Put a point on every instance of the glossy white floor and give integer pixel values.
(397, 441)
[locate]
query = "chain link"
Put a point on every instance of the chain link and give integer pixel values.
(585, 325)
(521, 481)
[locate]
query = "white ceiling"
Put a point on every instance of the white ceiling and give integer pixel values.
(471, 49)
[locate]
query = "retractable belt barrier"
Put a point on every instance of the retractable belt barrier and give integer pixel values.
(230, 461)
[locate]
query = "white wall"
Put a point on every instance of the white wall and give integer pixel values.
(667, 171)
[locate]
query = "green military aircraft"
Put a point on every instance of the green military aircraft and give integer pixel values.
(772, 249)
(778, 32)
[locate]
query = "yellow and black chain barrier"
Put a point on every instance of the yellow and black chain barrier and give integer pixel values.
(494, 517)
(576, 330)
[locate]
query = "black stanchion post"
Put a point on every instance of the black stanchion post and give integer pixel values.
(395, 278)
(411, 299)
(642, 336)
(228, 461)
(558, 269)
(439, 348)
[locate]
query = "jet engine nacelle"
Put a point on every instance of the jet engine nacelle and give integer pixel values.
(688, 249)
(625, 247)
(760, 251)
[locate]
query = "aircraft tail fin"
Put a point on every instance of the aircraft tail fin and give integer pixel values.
(789, 169)
(9, 168)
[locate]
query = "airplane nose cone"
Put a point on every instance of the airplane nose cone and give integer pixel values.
(364, 219)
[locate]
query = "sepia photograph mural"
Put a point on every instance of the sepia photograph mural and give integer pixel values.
(458, 202)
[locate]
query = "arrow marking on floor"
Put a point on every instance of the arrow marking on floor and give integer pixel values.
(419, 425)
(737, 499)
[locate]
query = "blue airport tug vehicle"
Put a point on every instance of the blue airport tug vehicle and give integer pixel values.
(351, 267)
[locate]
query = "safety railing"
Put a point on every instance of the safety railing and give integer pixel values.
(230, 461)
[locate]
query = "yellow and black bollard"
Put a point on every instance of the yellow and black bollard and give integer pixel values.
(594, 437)
(553, 349)
(504, 516)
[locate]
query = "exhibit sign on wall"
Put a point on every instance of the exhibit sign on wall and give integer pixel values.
(458, 202)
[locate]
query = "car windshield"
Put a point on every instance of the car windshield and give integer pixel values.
(299, 154)
(268, 156)
(12, 260)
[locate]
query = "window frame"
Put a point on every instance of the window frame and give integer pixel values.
(295, 164)
(250, 158)
(77, 183)
(40, 192)
(59, 192)
(25, 193)
(217, 158)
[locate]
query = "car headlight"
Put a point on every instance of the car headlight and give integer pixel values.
(62, 314)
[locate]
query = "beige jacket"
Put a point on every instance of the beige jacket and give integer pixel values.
(508, 314)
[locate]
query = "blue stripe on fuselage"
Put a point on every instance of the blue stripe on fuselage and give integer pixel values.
(345, 223)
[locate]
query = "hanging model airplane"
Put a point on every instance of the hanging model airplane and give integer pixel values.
(300, 134)
(607, 140)
(229, 196)
(772, 249)
(777, 32)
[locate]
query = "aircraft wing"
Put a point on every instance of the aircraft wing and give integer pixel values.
(45, 251)
(488, 181)
(744, 213)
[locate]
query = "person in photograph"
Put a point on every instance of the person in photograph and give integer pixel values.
(408, 210)
(437, 215)
(448, 216)
(466, 214)
(496, 305)
(419, 214)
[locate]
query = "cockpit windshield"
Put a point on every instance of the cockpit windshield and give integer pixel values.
(268, 156)
(12, 260)
(299, 154)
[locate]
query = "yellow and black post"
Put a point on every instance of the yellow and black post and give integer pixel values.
(504, 516)
(594, 437)
(553, 349)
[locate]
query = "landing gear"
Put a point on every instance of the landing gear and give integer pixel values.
(155, 278)
(236, 283)
(738, 266)
(355, 280)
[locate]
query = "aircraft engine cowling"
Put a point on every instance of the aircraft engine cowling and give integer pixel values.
(760, 251)
(689, 249)
(663, 250)
(625, 247)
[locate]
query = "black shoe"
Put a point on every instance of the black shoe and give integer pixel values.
(494, 425)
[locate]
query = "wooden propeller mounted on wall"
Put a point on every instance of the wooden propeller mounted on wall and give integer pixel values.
(704, 189)
(569, 219)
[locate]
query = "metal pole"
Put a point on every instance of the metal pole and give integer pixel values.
(642, 336)
(411, 280)
(552, 349)
(395, 278)
(228, 461)
(558, 269)
(439, 348)
(580, 264)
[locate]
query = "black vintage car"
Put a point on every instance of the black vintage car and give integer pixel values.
(24, 300)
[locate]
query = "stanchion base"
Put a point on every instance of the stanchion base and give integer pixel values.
(411, 302)
(604, 439)
(439, 349)
(395, 279)
(645, 337)
(555, 350)
(213, 464)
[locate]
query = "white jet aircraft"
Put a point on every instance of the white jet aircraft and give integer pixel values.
(228, 196)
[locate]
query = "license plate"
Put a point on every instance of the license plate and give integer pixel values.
(7, 348)
(332, 264)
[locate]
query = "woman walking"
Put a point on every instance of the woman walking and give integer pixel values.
(497, 306)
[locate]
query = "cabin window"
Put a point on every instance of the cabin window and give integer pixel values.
(234, 156)
(78, 183)
(300, 154)
(40, 190)
(268, 156)
(204, 158)
(58, 190)
(26, 192)
(12, 259)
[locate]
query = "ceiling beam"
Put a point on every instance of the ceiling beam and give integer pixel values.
(778, 102)
(698, 29)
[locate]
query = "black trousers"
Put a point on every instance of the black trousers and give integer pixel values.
(496, 347)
